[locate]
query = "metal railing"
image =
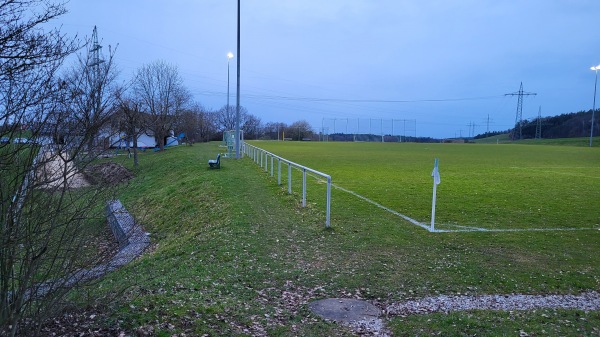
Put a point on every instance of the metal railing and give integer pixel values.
(262, 157)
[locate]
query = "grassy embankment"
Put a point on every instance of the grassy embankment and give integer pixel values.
(235, 255)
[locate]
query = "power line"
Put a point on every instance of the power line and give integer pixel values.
(316, 99)
(488, 120)
(471, 131)
(342, 100)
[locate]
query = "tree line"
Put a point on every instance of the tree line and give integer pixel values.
(567, 125)
(65, 112)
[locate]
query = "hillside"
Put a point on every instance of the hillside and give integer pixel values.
(570, 125)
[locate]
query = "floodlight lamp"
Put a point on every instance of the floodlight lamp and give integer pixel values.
(230, 55)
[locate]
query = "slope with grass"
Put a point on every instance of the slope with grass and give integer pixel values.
(235, 255)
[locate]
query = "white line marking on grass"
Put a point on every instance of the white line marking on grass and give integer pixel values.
(411, 220)
(526, 229)
(463, 228)
(468, 228)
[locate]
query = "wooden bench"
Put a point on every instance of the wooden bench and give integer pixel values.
(215, 163)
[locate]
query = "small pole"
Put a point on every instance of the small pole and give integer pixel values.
(304, 187)
(289, 178)
(436, 180)
(278, 171)
(328, 216)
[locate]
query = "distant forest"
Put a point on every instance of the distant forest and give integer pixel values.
(570, 125)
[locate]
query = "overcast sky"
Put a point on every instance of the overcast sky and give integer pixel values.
(445, 64)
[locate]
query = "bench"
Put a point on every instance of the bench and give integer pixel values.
(215, 163)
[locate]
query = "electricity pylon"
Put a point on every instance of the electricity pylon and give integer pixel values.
(519, 117)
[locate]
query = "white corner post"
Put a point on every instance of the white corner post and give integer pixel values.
(328, 216)
(436, 180)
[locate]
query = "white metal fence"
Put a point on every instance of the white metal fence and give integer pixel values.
(263, 157)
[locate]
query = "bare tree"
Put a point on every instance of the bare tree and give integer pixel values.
(43, 220)
(163, 97)
(130, 120)
(197, 124)
(299, 130)
(91, 83)
(274, 130)
(227, 117)
(207, 125)
(252, 127)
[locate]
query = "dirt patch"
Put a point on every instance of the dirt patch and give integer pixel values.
(108, 173)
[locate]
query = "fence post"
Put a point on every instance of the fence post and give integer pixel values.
(289, 178)
(266, 162)
(303, 187)
(254, 152)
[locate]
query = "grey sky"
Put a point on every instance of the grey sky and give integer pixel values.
(321, 60)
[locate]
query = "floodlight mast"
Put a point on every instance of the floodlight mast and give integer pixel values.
(237, 106)
(596, 68)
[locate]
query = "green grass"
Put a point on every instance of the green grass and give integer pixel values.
(503, 187)
(516, 323)
(234, 254)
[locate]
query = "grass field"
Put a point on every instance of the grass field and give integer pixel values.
(490, 187)
(234, 254)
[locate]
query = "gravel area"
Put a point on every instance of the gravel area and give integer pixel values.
(56, 170)
(586, 301)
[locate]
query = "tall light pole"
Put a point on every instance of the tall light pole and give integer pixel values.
(229, 57)
(596, 68)
(237, 105)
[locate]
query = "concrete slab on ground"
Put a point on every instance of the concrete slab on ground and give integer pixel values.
(344, 310)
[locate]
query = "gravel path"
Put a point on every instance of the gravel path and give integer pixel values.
(586, 301)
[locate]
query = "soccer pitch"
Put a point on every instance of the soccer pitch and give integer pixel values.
(483, 187)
